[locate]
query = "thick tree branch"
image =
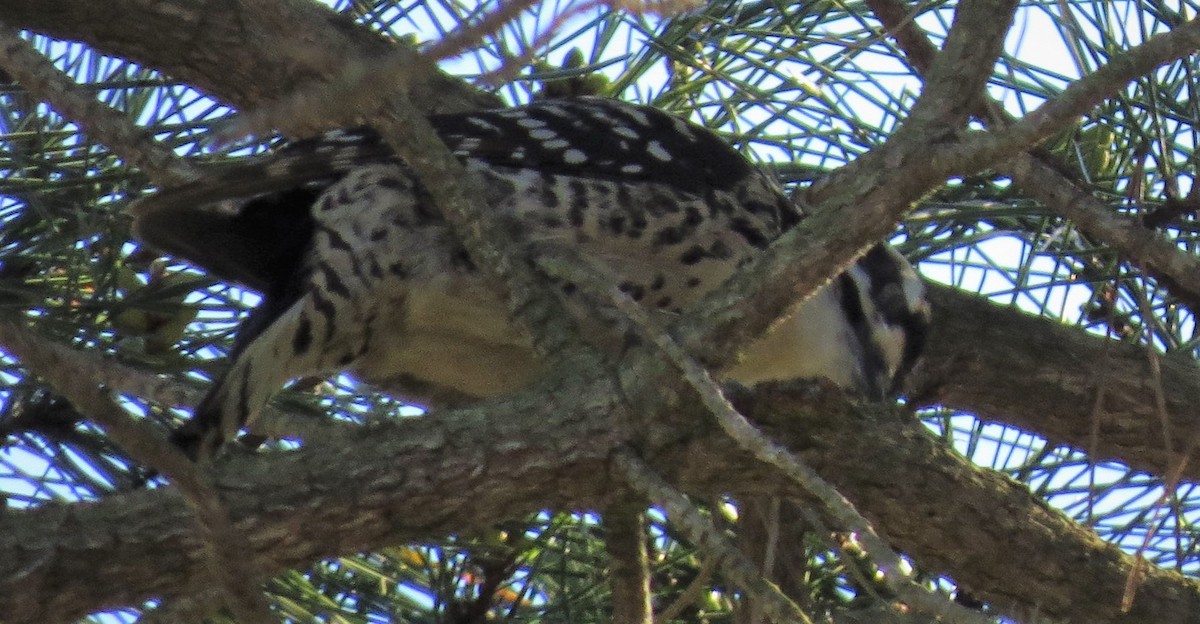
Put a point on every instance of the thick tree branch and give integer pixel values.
(222, 544)
(215, 46)
(1039, 376)
(421, 478)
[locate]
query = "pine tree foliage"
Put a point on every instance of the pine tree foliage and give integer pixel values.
(802, 88)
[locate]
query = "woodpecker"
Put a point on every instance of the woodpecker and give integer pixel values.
(358, 271)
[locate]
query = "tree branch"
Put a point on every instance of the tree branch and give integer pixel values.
(1082, 95)
(976, 345)
(734, 565)
(424, 479)
(628, 562)
(222, 545)
(548, 448)
(42, 79)
(959, 73)
(210, 44)
(1178, 269)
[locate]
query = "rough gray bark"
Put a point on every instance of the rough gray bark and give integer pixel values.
(629, 564)
(220, 48)
(420, 478)
(1045, 377)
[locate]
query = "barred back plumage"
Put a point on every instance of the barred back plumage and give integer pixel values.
(359, 272)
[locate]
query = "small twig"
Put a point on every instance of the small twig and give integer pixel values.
(111, 127)
(1094, 440)
(759, 520)
(1156, 380)
(1170, 486)
(773, 519)
(224, 547)
(865, 584)
(466, 35)
(1171, 479)
(690, 594)
(734, 565)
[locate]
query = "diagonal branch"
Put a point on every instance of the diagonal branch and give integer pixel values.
(1043, 181)
(958, 73)
(763, 448)
(489, 242)
(113, 128)
(223, 546)
(1178, 270)
(1082, 95)
(734, 565)
(956, 78)
(861, 203)
(600, 284)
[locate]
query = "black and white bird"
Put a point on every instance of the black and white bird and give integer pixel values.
(359, 272)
